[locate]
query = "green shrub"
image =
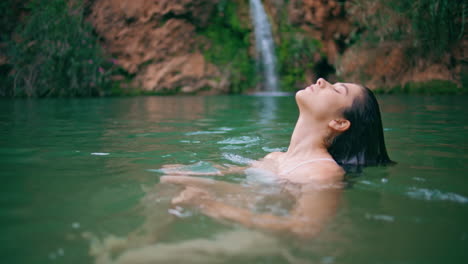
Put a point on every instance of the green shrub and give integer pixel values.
(295, 55)
(56, 54)
(229, 49)
(429, 87)
(431, 27)
(9, 14)
(436, 24)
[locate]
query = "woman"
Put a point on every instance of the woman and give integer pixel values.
(339, 126)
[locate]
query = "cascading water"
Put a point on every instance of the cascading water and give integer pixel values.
(264, 45)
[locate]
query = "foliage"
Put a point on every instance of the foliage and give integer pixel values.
(429, 87)
(10, 11)
(229, 46)
(56, 54)
(9, 14)
(431, 26)
(295, 55)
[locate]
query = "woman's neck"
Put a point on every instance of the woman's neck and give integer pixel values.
(307, 140)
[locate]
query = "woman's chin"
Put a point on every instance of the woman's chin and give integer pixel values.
(299, 96)
(300, 93)
(302, 99)
(303, 95)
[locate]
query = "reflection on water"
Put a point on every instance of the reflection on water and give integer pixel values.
(72, 167)
(217, 249)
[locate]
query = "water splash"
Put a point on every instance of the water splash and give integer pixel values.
(264, 45)
(238, 159)
(100, 153)
(240, 140)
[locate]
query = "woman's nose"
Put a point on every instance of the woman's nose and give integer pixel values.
(321, 83)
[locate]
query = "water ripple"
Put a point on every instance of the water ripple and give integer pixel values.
(204, 133)
(267, 149)
(380, 217)
(237, 158)
(434, 195)
(100, 153)
(240, 140)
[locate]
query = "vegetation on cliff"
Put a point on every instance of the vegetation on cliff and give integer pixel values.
(408, 42)
(54, 53)
(229, 39)
(431, 27)
(297, 54)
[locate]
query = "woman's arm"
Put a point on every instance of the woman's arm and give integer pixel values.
(306, 220)
(208, 188)
(207, 169)
(313, 209)
(217, 170)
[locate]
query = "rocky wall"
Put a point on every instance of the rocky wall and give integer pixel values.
(157, 43)
(337, 25)
(164, 45)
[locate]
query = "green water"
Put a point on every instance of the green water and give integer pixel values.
(87, 166)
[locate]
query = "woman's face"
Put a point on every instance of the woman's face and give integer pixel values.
(325, 101)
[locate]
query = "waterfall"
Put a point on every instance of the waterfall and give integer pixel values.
(264, 45)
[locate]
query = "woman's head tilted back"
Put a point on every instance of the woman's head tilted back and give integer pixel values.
(350, 114)
(363, 142)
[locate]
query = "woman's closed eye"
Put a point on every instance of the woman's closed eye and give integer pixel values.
(340, 88)
(337, 89)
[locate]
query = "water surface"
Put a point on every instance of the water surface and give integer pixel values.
(89, 166)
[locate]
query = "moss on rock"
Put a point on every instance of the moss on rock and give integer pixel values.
(229, 43)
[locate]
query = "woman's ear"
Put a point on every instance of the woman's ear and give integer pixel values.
(339, 125)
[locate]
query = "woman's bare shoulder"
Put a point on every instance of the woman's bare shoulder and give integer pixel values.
(274, 155)
(325, 172)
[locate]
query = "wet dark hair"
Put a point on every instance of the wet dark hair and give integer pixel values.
(363, 143)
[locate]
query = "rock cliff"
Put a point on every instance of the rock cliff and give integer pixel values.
(159, 44)
(326, 21)
(325, 25)
(396, 61)
(383, 64)
(156, 41)
(206, 46)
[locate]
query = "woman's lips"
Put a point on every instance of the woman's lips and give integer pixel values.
(310, 88)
